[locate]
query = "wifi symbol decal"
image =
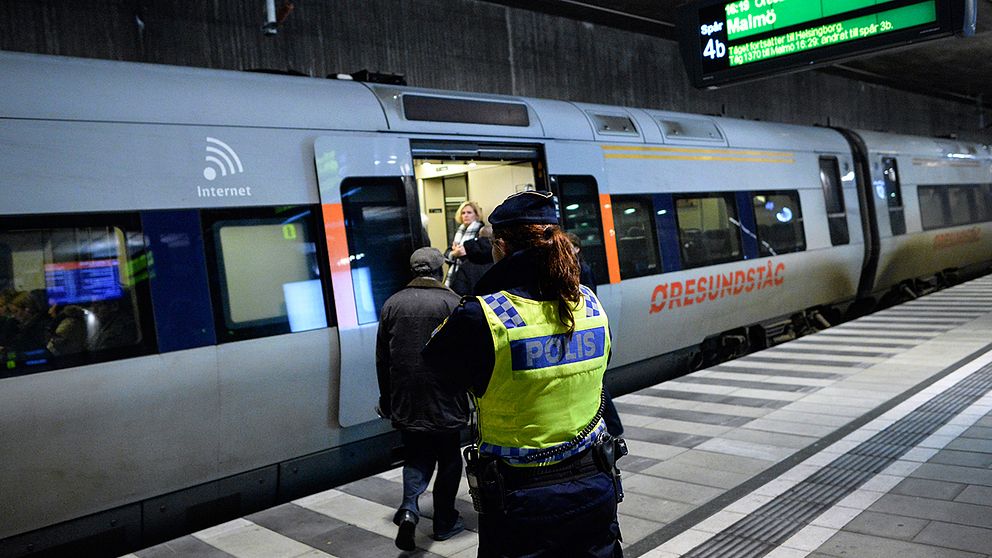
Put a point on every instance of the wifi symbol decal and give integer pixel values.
(221, 159)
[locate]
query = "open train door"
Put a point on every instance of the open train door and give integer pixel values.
(371, 225)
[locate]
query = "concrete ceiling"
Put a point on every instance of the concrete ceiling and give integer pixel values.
(951, 67)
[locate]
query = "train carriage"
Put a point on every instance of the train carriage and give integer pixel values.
(221, 243)
(932, 200)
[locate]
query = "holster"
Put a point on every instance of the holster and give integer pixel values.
(606, 451)
(485, 481)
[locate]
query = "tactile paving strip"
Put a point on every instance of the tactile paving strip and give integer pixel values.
(772, 524)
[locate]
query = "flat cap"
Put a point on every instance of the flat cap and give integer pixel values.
(426, 260)
(530, 207)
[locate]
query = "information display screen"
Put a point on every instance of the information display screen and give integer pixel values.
(82, 282)
(725, 41)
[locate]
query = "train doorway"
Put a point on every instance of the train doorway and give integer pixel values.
(450, 174)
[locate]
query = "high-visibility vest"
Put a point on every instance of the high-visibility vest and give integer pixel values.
(545, 389)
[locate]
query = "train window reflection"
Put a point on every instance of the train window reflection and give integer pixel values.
(267, 274)
(579, 201)
(943, 205)
(981, 203)
(933, 208)
(893, 195)
(71, 295)
(377, 220)
(833, 195)
(960, 202)
(779, 222)
(708, 229)
(637, 241)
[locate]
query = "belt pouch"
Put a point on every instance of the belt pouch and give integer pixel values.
(485, 482)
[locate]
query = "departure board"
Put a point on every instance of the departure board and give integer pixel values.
(82, 282)
(723, 42)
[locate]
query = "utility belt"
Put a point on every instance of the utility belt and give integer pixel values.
(490, 479)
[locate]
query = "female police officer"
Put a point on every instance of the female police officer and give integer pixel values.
(533, 350)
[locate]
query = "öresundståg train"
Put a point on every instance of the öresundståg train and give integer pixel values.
(192, 263)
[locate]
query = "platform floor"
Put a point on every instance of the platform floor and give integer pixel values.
(870, 439)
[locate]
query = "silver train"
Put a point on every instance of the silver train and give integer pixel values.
(192, 263)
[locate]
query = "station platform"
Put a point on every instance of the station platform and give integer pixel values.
(869, 439)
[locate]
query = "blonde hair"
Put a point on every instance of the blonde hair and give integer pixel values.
(475, 206)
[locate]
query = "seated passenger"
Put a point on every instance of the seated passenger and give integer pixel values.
(8, 324)
(68, 335)
(31, 313)
(115, 324)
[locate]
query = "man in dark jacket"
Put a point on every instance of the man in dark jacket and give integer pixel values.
(428, 412)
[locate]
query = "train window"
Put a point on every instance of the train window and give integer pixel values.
(74, 294)
(893, 195)
(944, 205)
(779, 222)
(468, 111)
(833, 195)
(961, 204)
(934, 213)
(708, 229)
(637, 241)
(377, 220)
(983, 203)
(266, 275)
(578, 198)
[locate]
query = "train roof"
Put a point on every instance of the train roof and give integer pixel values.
(62, 88)
(882, 142)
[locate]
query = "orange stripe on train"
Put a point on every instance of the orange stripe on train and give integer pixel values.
(337, 253)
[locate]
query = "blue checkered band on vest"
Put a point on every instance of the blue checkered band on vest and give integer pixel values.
(517, 456)
(592, 305)
(504, 310)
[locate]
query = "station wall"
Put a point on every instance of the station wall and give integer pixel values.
(466, 45)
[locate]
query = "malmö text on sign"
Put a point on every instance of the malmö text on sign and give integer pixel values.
(723, 42)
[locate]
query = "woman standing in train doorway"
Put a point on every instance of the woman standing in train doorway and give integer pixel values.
(470, 254)
(543, 474)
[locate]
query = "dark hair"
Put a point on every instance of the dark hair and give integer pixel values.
(558, 277)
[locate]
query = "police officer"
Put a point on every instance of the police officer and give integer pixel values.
(535, 348)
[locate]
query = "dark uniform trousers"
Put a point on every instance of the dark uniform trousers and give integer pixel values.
(575, 518)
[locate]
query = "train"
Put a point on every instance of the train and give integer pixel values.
(192, 263)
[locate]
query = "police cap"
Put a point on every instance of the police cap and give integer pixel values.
(530, 208)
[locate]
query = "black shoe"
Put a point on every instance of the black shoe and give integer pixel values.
(458, 527)
(407, 520)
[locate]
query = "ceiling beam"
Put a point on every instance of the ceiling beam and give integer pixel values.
(878, 79)
(591, 13)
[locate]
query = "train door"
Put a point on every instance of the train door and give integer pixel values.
(578, 179)
(449, 174)
(371, 225)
